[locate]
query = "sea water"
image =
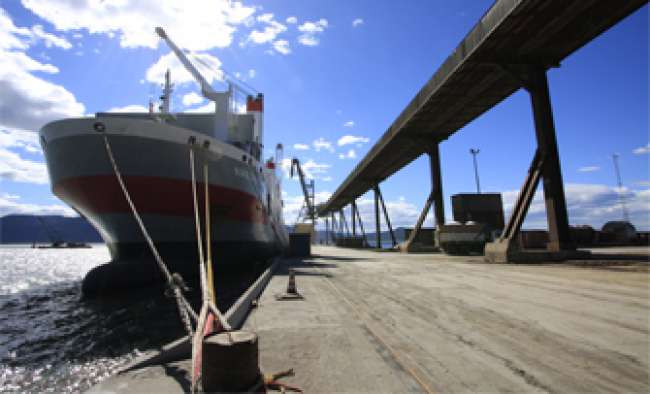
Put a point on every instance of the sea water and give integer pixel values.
(54, 340)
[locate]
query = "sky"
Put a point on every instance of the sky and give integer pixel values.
(335, 75)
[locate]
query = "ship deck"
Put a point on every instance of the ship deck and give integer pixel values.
(388, 322)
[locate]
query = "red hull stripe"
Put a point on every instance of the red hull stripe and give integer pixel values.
(101, 194)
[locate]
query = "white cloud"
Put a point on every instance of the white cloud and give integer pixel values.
(401, 213)
(351, 154)
(357, 22)
(13, 37)
(352, 139)
(251, 73)
(311, 32)
(292, 20)
(282, 46)
(49, 39)
(271, 30)
(643, 183)
(308, 40)
(322, 143)
(591, 204)
(588, 169)
(28, 101)
(25, 140)
(192, 99)
(312, 169)
(196, 25)
(15, 168)
(207, 108)
(293, 204)
(156, 72)
(300, 146)
(11, 205)
(314, 27)
(642, 150)
(130, 108)
(349, 124)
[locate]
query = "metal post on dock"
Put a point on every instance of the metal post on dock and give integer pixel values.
(474, 153)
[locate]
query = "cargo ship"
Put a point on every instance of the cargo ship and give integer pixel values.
(152, 151)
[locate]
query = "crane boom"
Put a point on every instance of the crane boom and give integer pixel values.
(206, 89)
(295, 163)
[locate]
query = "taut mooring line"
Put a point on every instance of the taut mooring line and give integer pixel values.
(184, 307)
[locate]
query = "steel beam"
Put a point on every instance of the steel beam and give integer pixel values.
(383, 205)
(345, 228)
(377, 219)
(358, 217)
(435, 197)
(418, 225)
(353, 218)
(523, 200)
(327, 230)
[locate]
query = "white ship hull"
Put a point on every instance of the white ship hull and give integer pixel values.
(153, 157)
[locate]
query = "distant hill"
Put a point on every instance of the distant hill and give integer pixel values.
(43, 229)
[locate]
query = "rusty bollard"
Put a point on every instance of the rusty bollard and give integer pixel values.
(230, 362)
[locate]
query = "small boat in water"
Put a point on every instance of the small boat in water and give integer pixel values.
(152, 152)
(63, 245)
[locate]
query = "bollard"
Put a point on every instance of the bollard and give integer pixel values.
(292, 290)
(291, 286)
(230, 362)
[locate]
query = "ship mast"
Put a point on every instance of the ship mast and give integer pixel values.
(167, 93)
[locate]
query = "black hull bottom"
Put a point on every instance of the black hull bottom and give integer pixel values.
(134, 267)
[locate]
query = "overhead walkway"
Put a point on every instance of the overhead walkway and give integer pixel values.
(511, 47)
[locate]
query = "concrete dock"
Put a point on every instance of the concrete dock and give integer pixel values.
(389, 322)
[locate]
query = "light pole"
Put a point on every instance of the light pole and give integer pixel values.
(475, 152)
(621, 197)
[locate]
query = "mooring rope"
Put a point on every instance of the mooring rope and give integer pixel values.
(184, 308)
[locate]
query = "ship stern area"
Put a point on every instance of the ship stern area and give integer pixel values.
(154, 161)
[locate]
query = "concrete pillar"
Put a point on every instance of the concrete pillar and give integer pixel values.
(556, 211)
(353, 216)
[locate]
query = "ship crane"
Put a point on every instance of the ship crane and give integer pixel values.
(308, 192)
(206, 90)
(225, 126)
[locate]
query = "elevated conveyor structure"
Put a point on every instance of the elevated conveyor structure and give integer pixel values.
(510, 47)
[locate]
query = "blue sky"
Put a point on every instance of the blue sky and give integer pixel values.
(335, 75)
